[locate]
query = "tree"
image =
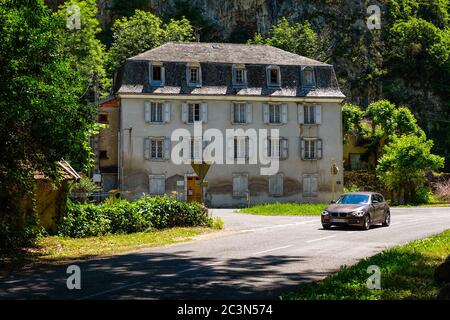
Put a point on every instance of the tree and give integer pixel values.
(144, 31)
(404, 163)
(298, 38)
(86, 52)
(42, 116)
(352, 117)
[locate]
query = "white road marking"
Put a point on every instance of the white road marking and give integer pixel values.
(274, 249)
(277, 226)
(314, 240)
(109, 291)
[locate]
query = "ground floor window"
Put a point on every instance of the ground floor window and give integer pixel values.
(310, 185)
(157, 184)
(240, 184)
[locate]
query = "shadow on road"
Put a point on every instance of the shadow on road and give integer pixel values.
(155, 275)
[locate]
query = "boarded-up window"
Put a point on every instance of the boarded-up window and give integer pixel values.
(240, 184)
(310, 185)
(276, 185)
(157, 184)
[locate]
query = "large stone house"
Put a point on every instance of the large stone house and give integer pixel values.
(172, 89)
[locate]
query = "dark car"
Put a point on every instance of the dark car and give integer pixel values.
(361, 209)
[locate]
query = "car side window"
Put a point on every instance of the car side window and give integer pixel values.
(381, 198)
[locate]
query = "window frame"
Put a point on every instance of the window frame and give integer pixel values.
(312, 84)
(242, 108)
(269, 82)
(193, 105)
(189, 69)
(153, 82)
(106, 118)
(312, 141)
(161, 149)
(235, 70)
(308, 110)
(279, 107)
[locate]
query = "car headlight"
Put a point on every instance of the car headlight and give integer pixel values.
(358, 213)
(325, 213)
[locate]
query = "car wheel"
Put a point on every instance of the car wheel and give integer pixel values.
(387, 219)
(326, 226)
(366, 222)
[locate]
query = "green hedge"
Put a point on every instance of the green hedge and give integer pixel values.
(122, 216)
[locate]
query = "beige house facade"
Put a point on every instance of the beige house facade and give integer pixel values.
(288, 107)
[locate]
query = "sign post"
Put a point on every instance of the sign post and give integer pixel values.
(334, 173)
(201, 169)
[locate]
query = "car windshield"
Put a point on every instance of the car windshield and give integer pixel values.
(354, 199)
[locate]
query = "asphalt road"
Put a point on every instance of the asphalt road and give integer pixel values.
(256, 257)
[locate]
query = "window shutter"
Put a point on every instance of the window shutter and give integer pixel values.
(147, 148)
(266, 147)
(306, 184)
(230, 149)
(245, 76)
(276, 184)
(251, 148)
(167, 148)
(284, 148)
(314, 184)
(319, 148)
(184, 112)
(239, 185)
(147, 111)
(249, 113)
(232, 112)
(272, 185)
(204, 107)
(157, 184)
(302, 148)
(265, 113)
(301, 113)
(167, 112)
(279, 184)
(318, 110)
(284, 113)
(163, 75)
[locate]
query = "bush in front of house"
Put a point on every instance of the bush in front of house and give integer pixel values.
(121, 216)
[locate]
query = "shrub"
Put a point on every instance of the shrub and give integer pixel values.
(14, 236)
(84, 220)
(442, 189)
(423, 195)
(122, 216)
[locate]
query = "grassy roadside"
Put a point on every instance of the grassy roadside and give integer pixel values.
(406, 273)
(54, 249)
(286, 209)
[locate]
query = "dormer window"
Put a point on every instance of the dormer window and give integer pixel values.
(194, 77)
(156, 74)
(239, 76)
(273, 76)
(308, 77)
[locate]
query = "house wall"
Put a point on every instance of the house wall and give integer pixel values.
(135, 170)
(108, 141)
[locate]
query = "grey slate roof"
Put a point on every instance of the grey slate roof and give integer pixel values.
(216, 62)
(223, 53)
